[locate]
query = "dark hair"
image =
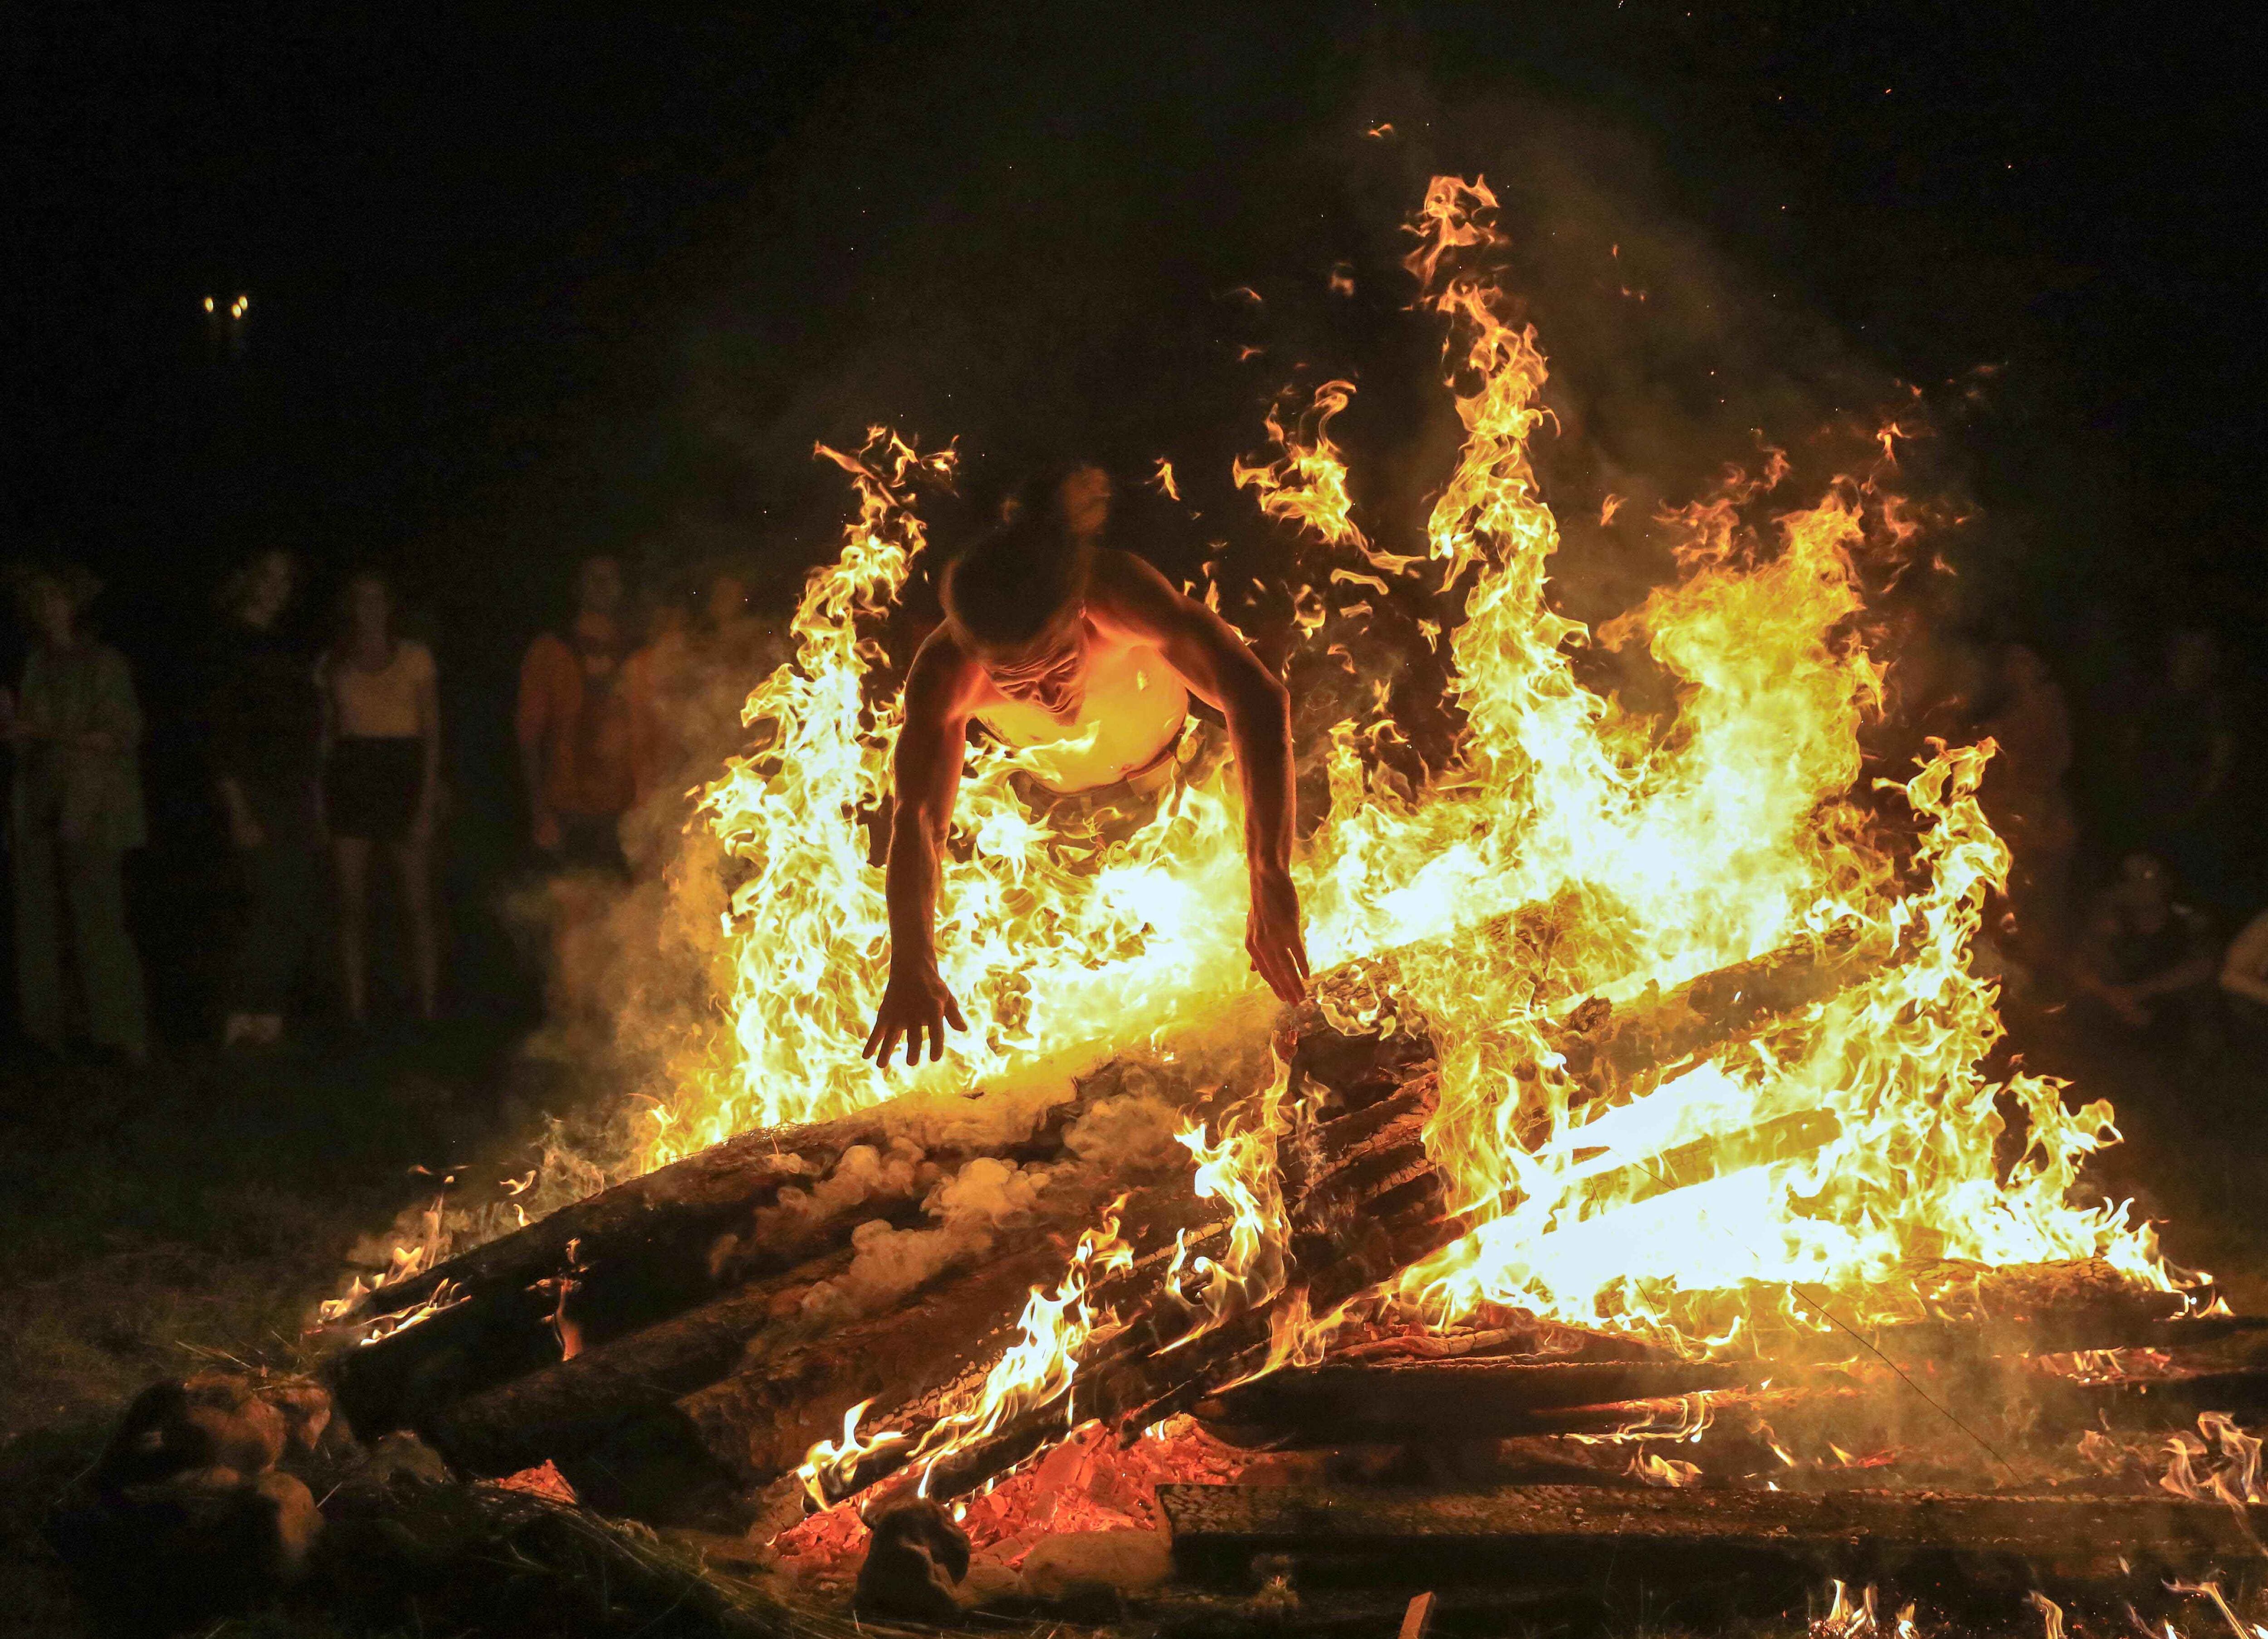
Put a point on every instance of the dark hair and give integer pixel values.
(384, 582)
(1005, 589)
(1039, 489)
(237, 588)
(28, 580)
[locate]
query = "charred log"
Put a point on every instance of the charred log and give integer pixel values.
(557, 1411)
(1475, 1398)
(1968, 1310)
(1549, 1533)
(680, 1239)
(485, 1377)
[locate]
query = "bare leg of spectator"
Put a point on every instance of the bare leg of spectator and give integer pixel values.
(39, 938)
(350, 856)
(110, 969)
(409, 859)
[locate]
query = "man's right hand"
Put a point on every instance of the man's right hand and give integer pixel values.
(915, 1000)
(244, 830)
(548, 836)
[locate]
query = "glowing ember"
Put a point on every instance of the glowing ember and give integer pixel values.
(1086, 1483)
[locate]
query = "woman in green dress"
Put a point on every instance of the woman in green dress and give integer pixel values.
(77, 728)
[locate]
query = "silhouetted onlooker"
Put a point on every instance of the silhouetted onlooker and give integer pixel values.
(2024, 795)
(2149, 959)
(2244, 982)
(2181, 756)
(266, 722)
(732, 634)
(653, 679)
(381, 781)
(688, 684)
(78, 808)
(574, 726)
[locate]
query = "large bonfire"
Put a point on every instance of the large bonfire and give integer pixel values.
(1663, 849)
(1647, 1045)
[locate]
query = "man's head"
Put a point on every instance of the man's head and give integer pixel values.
(2022, 670)
(598, 587)
(49, 598)
(1017, 599)
(260, 589)
(2144, 893)
(366, 602)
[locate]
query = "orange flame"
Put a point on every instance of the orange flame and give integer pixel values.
(1038, 1368)
(1662, 849)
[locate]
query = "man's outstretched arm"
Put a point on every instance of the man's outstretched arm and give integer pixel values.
(1216, 663)
(925, 776)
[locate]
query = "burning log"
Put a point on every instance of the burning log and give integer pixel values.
(661, 1346)
(765, 1371)
(1365, 1202)
(760, 1422)
(689, 1237)
(709, 1189)
(1483, 1398)
(667, 1219)
(1620, 1051)
(552, 1411)
(1617, 1050)
(1970, 1312)
(1161, 1361)
(1554, 1534)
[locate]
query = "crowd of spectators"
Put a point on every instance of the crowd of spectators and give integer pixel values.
(2135, 891)
(320, 749)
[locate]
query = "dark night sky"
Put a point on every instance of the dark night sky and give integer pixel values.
(530, 282)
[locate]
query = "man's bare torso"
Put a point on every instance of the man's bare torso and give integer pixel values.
(1127, 717)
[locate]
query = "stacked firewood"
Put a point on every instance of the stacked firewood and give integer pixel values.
(678, 1345)
(688, 1336)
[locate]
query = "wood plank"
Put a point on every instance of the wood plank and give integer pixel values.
(1462, 1399)
(1539, 1533)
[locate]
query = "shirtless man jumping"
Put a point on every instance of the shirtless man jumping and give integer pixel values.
(1050, 637)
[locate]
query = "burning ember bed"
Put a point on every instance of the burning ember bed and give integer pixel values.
(1627, 1220)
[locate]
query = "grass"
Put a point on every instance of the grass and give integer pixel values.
(155, 1222)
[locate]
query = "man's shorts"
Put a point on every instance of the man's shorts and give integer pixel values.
(1116, 811)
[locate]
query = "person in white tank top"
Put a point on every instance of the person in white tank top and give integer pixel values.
(384, 703)
(381, 781)
(1054, 641)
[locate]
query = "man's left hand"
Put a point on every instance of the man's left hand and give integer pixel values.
(1273, 937)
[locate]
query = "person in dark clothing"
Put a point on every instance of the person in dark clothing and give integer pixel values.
(2149, 960)
(265, 721)
(2024, 797)
(2180, 756)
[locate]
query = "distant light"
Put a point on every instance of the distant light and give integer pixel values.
(236, 308)
(209, 303)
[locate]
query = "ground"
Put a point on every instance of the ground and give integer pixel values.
(157, 1221)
